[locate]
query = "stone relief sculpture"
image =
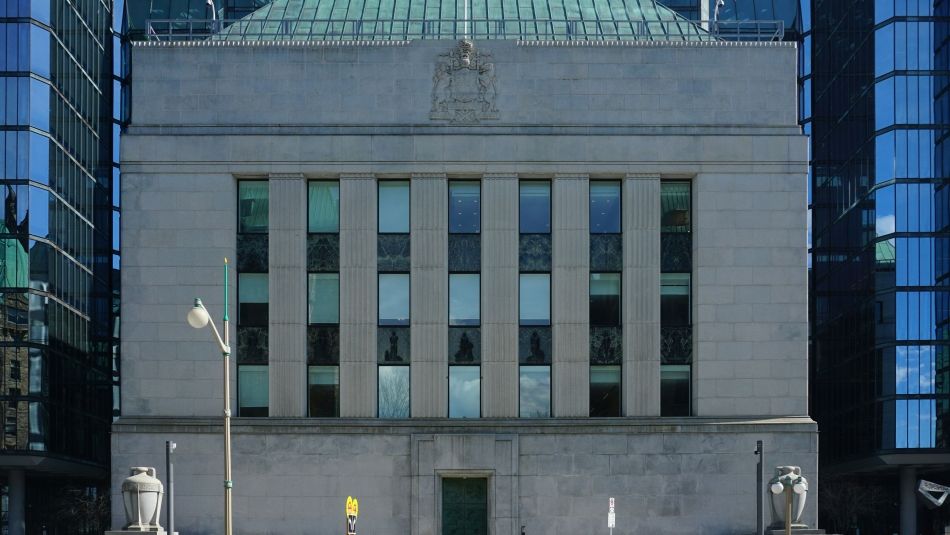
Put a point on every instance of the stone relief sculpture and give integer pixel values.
(463, 86)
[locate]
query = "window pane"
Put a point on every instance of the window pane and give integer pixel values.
(464, 391)
(252, 206)
(252, 298)
(605, 298)
(604, 207)
(535, 392)
(323, 206)
(674, 206)
(534, 299)
(674, 390)
(464, 298)
(324, 389)
(252, 391)
(535, 207)
(394, 207)
(465, 211)
(323, 302)
(394, 391)
(674, 299)
(605, 390)
(394, 299)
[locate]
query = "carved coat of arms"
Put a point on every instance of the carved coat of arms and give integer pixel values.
(463, 86)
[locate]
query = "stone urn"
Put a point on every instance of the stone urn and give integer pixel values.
(142, 494)
(788, 479)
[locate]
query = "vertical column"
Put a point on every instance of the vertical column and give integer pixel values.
(570, 294)
(358, 295)
(287, 262)
(500, 296)
(429, 295)
(908, 484)
(17, 513)
(641, 295)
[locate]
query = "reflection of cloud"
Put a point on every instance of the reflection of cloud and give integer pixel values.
(914, 370)
(885, 225)
(464, 395)
(535, 395)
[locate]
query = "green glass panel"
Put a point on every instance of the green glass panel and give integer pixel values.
(252, 206)
(323, 212)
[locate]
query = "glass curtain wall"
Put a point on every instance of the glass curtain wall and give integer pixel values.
(253, 297)
(534, 315)
(393, 255)
(323, 298)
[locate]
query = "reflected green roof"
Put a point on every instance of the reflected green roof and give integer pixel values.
(385, 20)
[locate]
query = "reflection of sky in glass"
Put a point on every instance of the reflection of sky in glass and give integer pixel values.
(394, 206)
(394, 391)
(464, 298)
(915, 261)
(464, 392)
(915, 423)
(915, 316)
(394, 299)
(535, 392)
(465, 213)
(915, 370)
(604, 207)
(534, 210)
(323, 301)
(534, 296)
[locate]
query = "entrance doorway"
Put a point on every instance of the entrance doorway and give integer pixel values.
(465, 506)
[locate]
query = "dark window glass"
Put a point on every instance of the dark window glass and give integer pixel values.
(323, 301)
(394, 299)
(464, 299)
(465, 209)
(534, 210)
(534, 392)
(604, 391)
(674, 299)
(534, 299)
(394, 391)
(252, 299)
(394, 207)
(675, 207)
(605, 298)
(323, 383)
(252, 391)
(252, 206)
(604, 207)
(323, 206)
(674, 390)
(464, 391)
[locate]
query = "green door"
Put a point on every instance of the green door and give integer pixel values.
(465, 506)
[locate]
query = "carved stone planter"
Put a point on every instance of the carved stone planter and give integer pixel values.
(788, 479)
(142, 495)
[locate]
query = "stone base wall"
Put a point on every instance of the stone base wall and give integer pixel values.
(292, 476)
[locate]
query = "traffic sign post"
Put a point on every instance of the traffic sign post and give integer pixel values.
(611, 517)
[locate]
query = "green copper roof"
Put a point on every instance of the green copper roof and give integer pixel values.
(386, 20)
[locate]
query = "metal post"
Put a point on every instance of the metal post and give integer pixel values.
(788, 510)
(170, 491)
(759, 489)
(227, 411)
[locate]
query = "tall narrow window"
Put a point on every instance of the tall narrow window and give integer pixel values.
(606, 265)
(393, 347)
(323, 297)
(534, 299)
(253, 297)
(675, 304)
(464, 265)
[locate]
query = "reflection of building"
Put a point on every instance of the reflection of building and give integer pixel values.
(881, 359)
(56, 258)
(514, 267)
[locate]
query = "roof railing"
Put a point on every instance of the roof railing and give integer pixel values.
(248, 29)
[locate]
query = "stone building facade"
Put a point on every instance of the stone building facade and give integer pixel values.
(605, 129)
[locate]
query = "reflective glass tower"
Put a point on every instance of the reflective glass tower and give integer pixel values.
(58, 262)
(876, 104)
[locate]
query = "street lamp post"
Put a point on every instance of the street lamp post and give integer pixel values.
(198, 317)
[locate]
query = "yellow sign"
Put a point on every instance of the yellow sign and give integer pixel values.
(352, 511)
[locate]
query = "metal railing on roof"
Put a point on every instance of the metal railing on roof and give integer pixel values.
(412, 29)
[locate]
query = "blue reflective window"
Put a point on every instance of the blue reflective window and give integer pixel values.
(23, 101)
(40, 10)
(604, 207)
(534, 303)
(884, 158)
(534, 392)
(464, 391)
(39, 212)
(39, 158)
(465, 211)
(115, 231)
(884, 103)
(884, 50)
(534, 210)
(39, 104)
(883, 10)
(464, 299)
(39, 51)
(394, 299)
(394, 207)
